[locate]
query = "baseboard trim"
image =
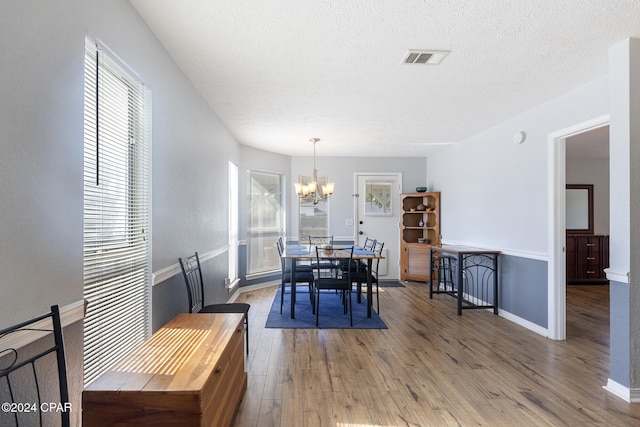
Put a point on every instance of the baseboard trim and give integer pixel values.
(631, 395)
(255, 287)
(524, 323)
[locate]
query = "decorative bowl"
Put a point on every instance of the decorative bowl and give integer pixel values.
(421, 189)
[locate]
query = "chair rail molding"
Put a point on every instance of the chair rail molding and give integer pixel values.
(69, 314)
(540, 256)
(174, 269)
(617, 276)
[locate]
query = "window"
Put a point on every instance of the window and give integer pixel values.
(378, 199)
(313, 219)
(117, 184)
(266, 221)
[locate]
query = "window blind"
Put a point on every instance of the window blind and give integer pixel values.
(266, 220)
(117, 188)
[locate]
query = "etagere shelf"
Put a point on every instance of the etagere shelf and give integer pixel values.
(419, 228)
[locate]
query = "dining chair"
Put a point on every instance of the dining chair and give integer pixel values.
(24, 375)
(321, 241)
(369, 243)
(334, 278)
(304, 274)
(192, 274)
(359, 274)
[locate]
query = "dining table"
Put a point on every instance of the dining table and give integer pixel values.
(296, 253)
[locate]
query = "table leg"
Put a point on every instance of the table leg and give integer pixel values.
(369, 287)
(460, 268)
(293, 288)
(495, 284)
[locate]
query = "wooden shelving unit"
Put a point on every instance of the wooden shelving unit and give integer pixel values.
(418, 229)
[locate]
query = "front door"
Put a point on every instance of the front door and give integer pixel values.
(378, 217)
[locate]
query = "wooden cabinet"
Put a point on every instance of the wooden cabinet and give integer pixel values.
(587, 257)
(419, 228)
(189, 373)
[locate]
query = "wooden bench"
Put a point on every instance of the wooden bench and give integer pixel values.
(189, 373)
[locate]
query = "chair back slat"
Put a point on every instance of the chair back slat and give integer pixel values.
(23, 373)
(336, 255)
(377, 249)
(369, 244)
(320, 240)
(192, 274)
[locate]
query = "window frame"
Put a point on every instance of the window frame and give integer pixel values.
(269, 251)
(117, 210)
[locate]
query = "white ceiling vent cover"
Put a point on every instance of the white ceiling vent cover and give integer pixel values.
(428, 57)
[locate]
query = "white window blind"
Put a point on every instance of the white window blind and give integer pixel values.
(117, 189)
(266, 221)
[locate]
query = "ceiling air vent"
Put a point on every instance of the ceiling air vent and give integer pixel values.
(429, 57)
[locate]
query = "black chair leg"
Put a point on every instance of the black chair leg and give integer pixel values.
(282, 296)
(350, 310)
(317, 306)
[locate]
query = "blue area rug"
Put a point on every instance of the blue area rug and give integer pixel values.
(331, 313)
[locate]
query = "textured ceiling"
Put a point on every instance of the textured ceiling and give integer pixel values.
(282, 71)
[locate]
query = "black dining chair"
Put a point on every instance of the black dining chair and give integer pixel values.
(24, 376)
(333, 278)
(192, 274)
(369, 243)
(359, 274)
(322, 241)
(304, 274)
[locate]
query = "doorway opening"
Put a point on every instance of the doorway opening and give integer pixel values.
(557, 289)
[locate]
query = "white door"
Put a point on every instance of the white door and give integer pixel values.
(378, 217)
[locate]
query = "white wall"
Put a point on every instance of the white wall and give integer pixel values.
(494, 192)
(41, 165)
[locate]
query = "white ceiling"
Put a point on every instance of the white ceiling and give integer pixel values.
(282, 71)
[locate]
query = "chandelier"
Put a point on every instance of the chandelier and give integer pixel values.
(312, 189)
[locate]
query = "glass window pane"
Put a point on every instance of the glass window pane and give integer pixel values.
(266, 221)
(378, 200)
(313, 219)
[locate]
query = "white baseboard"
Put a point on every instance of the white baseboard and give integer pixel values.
(259, 286)
(631, 395)
(524, 323)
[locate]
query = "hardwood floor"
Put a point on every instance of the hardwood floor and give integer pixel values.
(433, 368)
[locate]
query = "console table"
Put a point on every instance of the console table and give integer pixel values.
(188, 373)
(466, 273)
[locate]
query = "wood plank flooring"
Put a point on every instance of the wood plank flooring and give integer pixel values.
(433, 368)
